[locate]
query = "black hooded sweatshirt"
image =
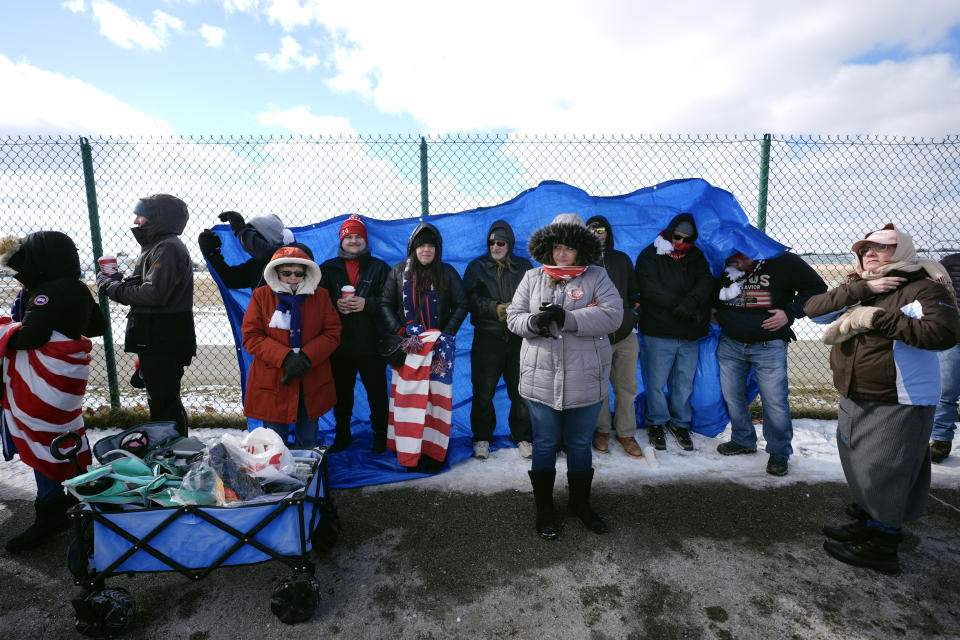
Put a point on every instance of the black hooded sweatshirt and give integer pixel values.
(489, 283)
(620, 270)
(54, 298)
(452, 299)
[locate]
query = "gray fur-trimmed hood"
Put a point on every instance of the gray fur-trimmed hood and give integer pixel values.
(575, 236)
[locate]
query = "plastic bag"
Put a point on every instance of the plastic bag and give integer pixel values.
(262, 453)
(201, 485)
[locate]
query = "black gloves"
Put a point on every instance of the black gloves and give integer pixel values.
(234, 219)
(295, 365)
(209, 242)
(108, 284)
(540, 322)
(686, 310)
(555, 313)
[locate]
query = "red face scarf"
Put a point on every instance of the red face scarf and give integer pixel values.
(679, 248)
(563, 273)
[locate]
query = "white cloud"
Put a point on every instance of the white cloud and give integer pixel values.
(126, 31)
(213, 36)
(300, 120)
(77, 6)
(690, 66)
(290, 56)
(52, 104)
(241, 6)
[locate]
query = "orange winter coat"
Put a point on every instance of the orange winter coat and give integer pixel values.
(266, 398)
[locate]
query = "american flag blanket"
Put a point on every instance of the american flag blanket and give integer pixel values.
(43, 397)
(421, 402)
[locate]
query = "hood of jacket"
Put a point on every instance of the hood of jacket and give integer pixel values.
(677, 219)
(425, 230)
(270, 228)
(502, 229)
(293, 253)
(166, 215)
(40, 257)
(575, 236)
(600, 221)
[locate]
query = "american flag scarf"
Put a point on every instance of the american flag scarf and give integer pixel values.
(43, 398)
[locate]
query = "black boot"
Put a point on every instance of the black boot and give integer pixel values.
(579, 504)
(854, 531)
(379, 442)
(51, 520)
(542, 481)
(878, 551)
(341, 441)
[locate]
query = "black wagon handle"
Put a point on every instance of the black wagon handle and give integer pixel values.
(70, 454)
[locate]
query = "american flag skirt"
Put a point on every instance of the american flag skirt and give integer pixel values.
(421, 405)
(43, 398)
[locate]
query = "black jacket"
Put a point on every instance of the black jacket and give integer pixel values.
(620, 270)
(160, 289)
(675, 295)
(785, 282)
(361, 330)
(488, 284)
(249, 273)
(54, 298)
(453, 300)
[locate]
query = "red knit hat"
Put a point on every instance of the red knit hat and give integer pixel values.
(353, 224)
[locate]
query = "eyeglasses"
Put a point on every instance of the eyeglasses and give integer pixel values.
(878, 248)
(599, 230)
(496, 243)
(680, 238)
(286, 273)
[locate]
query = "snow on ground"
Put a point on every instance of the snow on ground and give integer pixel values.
(815, 460)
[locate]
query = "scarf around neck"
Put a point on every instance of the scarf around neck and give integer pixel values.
(419, 307)
(287, 316)
(666, 248)
(563, 273)
(733, 279)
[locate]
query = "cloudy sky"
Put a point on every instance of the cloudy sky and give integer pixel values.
(187, 67)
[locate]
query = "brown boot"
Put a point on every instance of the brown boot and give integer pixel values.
(631, 447)
(939, 450)
(601, 442)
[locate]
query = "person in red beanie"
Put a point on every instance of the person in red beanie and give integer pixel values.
(291, 329)
(359, 310)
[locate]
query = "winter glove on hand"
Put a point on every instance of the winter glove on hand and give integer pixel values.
(209, 242)
(540, 324)
(107, 285)
(856, 320)
(686, 309)
(555, 313)
(502, 311)
(295, 365)
(234, 219)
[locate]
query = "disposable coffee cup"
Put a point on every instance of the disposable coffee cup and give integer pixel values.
(347, 291)
(108, 265)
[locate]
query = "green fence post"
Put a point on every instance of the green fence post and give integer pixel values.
(764, 179)
(424, 191)
(97, 252)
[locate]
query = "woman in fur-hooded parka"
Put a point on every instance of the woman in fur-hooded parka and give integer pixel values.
(268, 338)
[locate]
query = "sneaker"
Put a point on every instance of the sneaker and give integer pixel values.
(631, 447)
(682, 436)
(525, 449)
(732, 449)
(939, 450)
(777, 465)
(481, 449)
(854, 531)
(657, 439)
(601, 442)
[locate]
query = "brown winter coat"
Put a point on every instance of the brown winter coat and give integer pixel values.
(266, 398)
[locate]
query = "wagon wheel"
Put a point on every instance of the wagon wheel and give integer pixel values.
(295, 599)
(104, 613)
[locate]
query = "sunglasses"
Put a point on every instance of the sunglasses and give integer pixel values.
(496, 243)
(286, 273)
(879, 248)
(679, 238)
(599, 230)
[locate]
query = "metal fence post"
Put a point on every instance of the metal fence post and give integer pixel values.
(424, 191)
(97, 247)
(764, 178)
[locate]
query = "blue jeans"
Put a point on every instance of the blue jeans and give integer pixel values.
(769, 362)
(671, 362)
(306, 429)
(945, 419)
(47, 488)
(571, 427)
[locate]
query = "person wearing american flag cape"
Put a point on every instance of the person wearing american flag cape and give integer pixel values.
(45, 354)
(424, 300)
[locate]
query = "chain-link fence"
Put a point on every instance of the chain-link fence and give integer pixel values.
(811, 193)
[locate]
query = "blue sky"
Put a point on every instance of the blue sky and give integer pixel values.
(192, 67)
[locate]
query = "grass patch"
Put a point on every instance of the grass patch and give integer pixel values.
(124, 418)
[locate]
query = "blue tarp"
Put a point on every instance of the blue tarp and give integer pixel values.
(636, 219)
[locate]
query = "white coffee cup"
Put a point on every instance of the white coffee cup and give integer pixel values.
(347, 291)
(108, 265)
